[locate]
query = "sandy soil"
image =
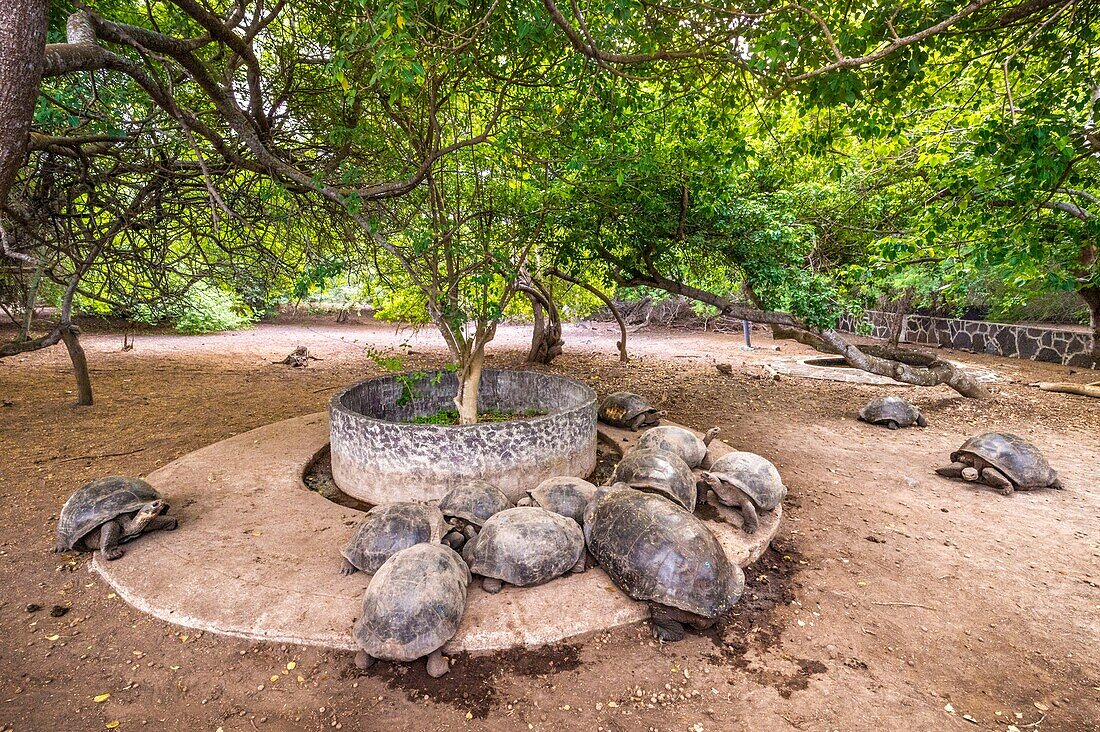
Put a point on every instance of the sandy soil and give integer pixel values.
(894, 599)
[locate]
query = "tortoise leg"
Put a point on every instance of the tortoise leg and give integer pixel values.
(581, 564)
(666, 627)
(997, 479)
(748, 515)
(162, 523)
(891, 424)
(109, 534)
(638, 422)
(1057, 484)
(954, 470)
(921, 421)
(437, 664)
(491, 585)
(363, 660)
(348, 568)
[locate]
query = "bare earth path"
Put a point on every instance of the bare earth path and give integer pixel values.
(896, 600)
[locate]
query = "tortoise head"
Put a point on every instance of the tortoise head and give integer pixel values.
(147, 513)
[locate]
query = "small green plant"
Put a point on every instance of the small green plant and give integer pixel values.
(449, 417)
(395, 362)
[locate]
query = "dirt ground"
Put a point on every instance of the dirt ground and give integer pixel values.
(893, 599)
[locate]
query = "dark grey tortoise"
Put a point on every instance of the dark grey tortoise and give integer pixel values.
(892, 412)
(658, 471)
(626, 409)
(412, 607)
(748, 481)
(1004, 461)
(657, 552)
(109, 511)
(680, 441)
(564, 495)
(467, 507)
(525, 546)
(388, 528)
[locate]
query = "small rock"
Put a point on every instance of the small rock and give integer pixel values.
(58, 611)
(33, 607)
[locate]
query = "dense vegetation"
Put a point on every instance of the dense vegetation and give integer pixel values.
(458, 161)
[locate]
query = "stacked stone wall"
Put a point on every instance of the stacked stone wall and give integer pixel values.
(1055, 345)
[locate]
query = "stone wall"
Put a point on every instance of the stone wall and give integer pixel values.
(378, 456)
(1067, 347)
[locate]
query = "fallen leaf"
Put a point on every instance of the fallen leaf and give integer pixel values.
(52, 637)
(970, 719)
(291, 666)
(102, 698)
(274, 678)
(948, 708)
(113, 724)
(1042, 707)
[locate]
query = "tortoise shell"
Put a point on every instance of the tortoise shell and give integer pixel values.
(98, 502)
(656, 551)
(620, 408)
(754, 475)
(677, 440)
(525, 546)
(389, 528)
(1018, 459)
(658, 471)
(564, 495)
(891, 409)
(413, 604)
(474, 501)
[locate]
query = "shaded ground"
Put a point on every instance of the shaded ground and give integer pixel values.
(895, 599)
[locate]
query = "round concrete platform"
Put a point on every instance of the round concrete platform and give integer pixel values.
(257, 555)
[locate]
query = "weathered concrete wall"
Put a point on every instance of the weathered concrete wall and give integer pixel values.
(1067, 347)
(378, 457)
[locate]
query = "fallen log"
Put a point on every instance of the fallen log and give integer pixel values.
(1070, 387)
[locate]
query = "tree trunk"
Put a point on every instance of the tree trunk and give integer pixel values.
(624, 357)
(32, 300)
(23, 28)
(538, 331)
(469, 381)
(1091, 296)
(901, 311)
(70, 334)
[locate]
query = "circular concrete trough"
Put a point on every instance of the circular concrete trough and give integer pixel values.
(257, 555)
(379, 457)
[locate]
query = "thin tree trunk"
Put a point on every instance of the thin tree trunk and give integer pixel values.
(1091, 296)
(70, 334)
(469, 381)
(901, 311)
(32, 300)
(538, 331)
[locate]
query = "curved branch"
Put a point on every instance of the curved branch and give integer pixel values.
(936, 372)
(621, 345)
